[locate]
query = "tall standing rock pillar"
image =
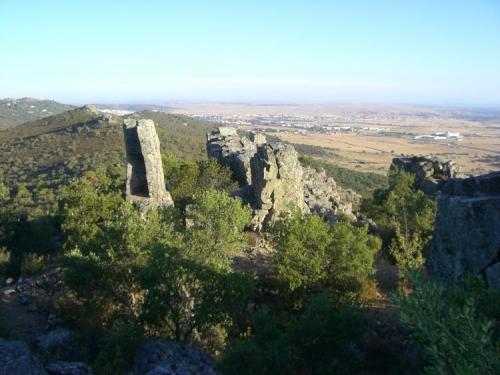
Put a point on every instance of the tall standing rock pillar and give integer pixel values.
(145, 181)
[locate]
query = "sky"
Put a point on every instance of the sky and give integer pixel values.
(419, 52)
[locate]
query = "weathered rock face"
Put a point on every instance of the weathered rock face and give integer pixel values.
(16, 359)
(323, 196)
(145, 181)
(230, 149)
(273, 180)
(429, 173)
(467, 231)
(277, 181)
(170, 358)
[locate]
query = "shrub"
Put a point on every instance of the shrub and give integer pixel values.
(184, 298)
(117, 348)
(152, 271)
(217, 230)
(318, 342)
(312, 255)
(31, 264)
(4, 260)
(455, 336)
(405, 219)
(189, 179)
(107, 240)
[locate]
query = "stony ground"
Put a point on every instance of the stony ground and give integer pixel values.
(24, 304)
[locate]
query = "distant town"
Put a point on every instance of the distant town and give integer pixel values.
(327, 124)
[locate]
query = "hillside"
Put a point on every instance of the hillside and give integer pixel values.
(46, 153)
(17, 111)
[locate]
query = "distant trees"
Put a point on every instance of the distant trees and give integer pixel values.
(4, 252)
(4, 198)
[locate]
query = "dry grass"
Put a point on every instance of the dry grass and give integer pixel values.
(372, 153)
(478, 153)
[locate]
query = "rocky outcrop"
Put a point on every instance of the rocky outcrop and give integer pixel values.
(17, 359)
(323, 196)
(277, 181)
(230, 149)
(170, 358)
(430, 174)
(145, 181)
(272, 179)
(467, 230)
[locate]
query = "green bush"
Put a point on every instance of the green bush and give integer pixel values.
(312, 255)
(191, 287)
(31, 264)
(4, 260)
(185, 300)
(186, 180)
(317, 342)
(405, 218)
(117, 347)
(216, 232)
(153, 272)
(447, 321)
(107, 240)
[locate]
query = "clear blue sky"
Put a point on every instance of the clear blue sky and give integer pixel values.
(415, 51)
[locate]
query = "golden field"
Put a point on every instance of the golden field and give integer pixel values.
(474, 154)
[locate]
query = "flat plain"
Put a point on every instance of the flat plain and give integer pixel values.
(367, 137)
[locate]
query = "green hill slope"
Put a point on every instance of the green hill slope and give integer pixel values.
(17, 111)
(44, 154)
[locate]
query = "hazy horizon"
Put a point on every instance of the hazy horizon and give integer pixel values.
(384, 53)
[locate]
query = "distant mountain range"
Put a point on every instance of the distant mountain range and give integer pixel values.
(17, 111)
